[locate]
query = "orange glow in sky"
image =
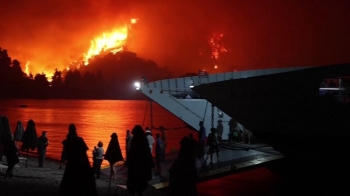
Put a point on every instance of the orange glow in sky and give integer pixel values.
(252, 34)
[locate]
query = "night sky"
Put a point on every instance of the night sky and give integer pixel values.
(256, 33)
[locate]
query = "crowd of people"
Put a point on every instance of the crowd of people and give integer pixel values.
(79, 176)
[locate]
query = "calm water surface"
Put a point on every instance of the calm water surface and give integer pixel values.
(95, 120)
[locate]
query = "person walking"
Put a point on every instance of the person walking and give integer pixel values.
(78, 178)
(128, 139)
(201, 140)
(43, 142)
(64, 152)
(5, 131)
(219, 129)
(232, 132)
(164, 139)
(193, 144)
(113, 153)
(213, 144)
(183, 173)
(97, 158)
(159, 154)
(150, 139)
(140, 162)
(11, 153)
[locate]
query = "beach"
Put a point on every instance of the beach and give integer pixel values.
(46, 180)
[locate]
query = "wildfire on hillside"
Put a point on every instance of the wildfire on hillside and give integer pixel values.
(110, 42)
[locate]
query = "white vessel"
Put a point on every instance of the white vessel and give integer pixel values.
(176, 96)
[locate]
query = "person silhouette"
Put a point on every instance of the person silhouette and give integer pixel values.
(213, 144)
(193, 144)
(97, 159)
(159, 154)
(128, 139)
(29, 139)
(183, 172)
(150, 139)
(139, 174)
(113, 153)
(219, 129)
(4, 132)
(164, 140)
(43, 142)
(11, 152)
(201, 140)
(64, 152)
(78, 177)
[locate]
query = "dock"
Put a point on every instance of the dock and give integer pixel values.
(233, 157)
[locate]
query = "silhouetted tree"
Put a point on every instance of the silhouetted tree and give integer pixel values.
(108, 76)
(57, 79)
(89, 86)
(42, 86)
(72, 84)
(16, 69)
(57, 90)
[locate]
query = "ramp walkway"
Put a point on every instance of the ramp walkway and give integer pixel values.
(233, 157)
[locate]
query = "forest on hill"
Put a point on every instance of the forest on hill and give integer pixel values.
(111, 76)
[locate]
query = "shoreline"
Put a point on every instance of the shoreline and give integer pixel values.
(46, 180)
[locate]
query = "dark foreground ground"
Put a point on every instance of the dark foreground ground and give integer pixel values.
(45, 181)
(321, 168)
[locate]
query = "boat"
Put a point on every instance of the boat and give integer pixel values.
(287, 108)
(286, 105)
(177, 96)
(291, 112)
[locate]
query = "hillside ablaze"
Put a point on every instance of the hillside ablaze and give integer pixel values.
(109, 42)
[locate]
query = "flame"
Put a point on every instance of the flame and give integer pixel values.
(109, 42)
(112, 41)
(27, 68)
(49, 77)
(133, 20)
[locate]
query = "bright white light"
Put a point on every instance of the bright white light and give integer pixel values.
(333, 89)
(137, 85)
(191, 86)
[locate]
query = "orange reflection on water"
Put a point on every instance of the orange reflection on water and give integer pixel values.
(95, 120)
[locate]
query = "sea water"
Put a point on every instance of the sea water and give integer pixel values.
(95, 120)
